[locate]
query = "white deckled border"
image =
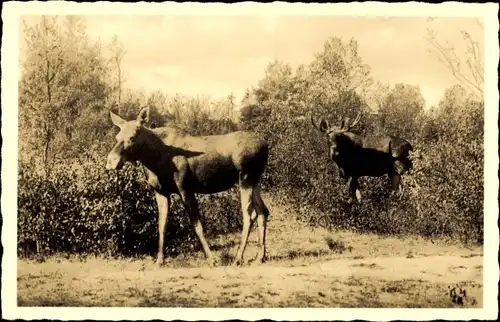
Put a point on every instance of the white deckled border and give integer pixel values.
(370, 8)
(10, 15)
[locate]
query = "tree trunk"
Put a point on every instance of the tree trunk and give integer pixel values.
(37, 242)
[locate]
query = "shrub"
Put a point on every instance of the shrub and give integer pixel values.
(82, 208)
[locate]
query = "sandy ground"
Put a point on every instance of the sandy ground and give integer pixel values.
(368, 282)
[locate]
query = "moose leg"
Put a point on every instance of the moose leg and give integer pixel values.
(353, 189)
(191, 205)
(395, 180)
(262, 215)
(163, 207)
(247, 210)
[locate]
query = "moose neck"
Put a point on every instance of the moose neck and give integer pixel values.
(154, 154)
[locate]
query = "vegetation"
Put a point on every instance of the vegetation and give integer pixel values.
(67, 202)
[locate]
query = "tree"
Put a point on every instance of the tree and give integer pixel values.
(376, 95)
(132, 102)
(222, 108)
(275, 85)
(251, 113)
(400, 109)
(63, 81)
(38, 114)
(460, 115)
(466, 66)
(230, 107)
(117, 54)
(338, 78)
(157, 103)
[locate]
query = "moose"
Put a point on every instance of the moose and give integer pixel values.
(356, 155)
(178, 163)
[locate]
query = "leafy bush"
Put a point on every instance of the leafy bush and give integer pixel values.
(82, 208)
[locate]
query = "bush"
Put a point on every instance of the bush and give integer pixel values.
(82, 208)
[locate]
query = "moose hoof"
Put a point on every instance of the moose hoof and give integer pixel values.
(212, 263)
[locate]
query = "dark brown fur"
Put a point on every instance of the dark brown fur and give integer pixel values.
(357, 155)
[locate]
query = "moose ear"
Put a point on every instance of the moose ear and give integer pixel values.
(143, 117)
(323, 125)
(118, 121)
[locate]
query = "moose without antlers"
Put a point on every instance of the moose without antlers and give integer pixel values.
(178, 163)
(357, 155)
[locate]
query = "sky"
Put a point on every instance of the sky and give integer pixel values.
(218, 55)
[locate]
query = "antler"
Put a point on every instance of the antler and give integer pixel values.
(323, 125)
(314, 124)
(356, 120)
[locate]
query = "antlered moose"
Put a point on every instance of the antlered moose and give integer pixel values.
(371, 155)
(178, 163)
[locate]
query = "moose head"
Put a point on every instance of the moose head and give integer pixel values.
(339, 137)
(130, 139)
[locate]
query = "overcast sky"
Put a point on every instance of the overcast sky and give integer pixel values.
(217, 55)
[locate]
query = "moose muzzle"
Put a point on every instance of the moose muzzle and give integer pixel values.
(114, 161)
(333, 152)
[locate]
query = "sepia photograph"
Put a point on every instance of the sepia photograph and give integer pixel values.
(306, 157)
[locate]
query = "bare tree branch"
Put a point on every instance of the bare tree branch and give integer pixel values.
(473, 71)
(479, 23)
(450, 58)
(478, 65)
